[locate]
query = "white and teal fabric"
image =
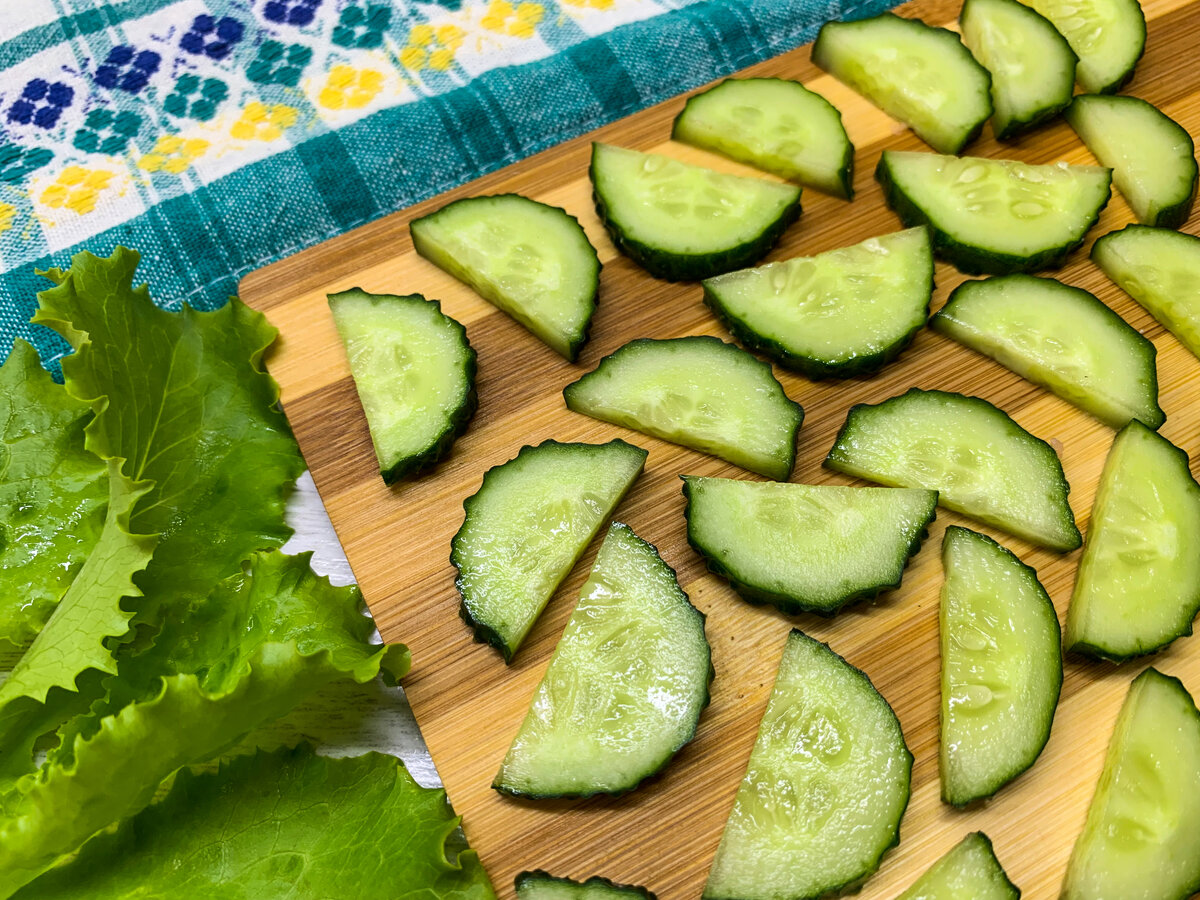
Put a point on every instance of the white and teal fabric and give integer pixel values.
(218, 135)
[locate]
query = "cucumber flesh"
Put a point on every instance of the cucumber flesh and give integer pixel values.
(776, 125)
(1153, 159)
(699, 392)
(685, 222)
(1031, 64)
(530, 260)
(827, 784)
(625, 686)
(415, 374)
(981, 463)
(1160, 269)
(1001, 666)
(995, 216)
(970, 871)
(527, 526)
(1139, 842)
(1138, 586)
(1108, 36)
(841, 313)
(803, 547)
(918, 74)
(540, 885)
(1062, 338)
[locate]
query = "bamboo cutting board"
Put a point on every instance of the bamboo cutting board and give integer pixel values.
(469, 704)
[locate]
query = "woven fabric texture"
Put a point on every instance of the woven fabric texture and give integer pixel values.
(216, 136)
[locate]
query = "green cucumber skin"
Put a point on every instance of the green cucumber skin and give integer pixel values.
(1176, 215)
(419, 463)
(533, 795)
(1018, 125)
(485, 634)
(782, 474)
(784, 602)
(966, 258)
(677, 267)
(599, 881)
(829, 462)
(961, 802)
(813, 369)
(581, 337)
(845, 173)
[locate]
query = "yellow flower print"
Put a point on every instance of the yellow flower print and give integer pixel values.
(350, 87)
(8, 212)
(260, 122)
(519, 20)
(590, 4)
(430, 47)
(173, 154)
(77, 188)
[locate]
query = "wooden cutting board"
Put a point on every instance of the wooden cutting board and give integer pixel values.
(469, 704)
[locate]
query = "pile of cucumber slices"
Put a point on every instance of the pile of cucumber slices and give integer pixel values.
(828, 780)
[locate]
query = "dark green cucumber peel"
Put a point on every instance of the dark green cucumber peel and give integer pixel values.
(691, 267)
(810, 366)
(419, 463)
(511, 791)
(422, 244)
(482, 632)
(1000, 778)
(789, 603)
(968, 258)
(526, 884)
(845, 172)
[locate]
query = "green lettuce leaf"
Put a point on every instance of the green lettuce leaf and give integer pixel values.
(280, 825)
(181, 397)
(262, 642)
(52, 493)
(75, 639)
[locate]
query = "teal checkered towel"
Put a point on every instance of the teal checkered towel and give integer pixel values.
(218, 135)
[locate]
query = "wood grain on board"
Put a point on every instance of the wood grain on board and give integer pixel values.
(469, 704)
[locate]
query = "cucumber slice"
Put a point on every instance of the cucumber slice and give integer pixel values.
(1138, 586)
(527, 526)
(625, 685)
(841, 313)
(531, 260)
(1139, 842)
(994, 216)
(1152, 158)
(826, 787)
(778, 126)
(1031, 64)
(684, 222)
(1001, 666)
(981, 463)
(970, 871)
(803, 547)
(1160, 269)
(1062, 338)
(699, 392)
(918, 74)
(415, 374)
(1108, 36)
(541, 885)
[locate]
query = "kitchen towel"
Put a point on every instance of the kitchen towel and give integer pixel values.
(216, 136)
